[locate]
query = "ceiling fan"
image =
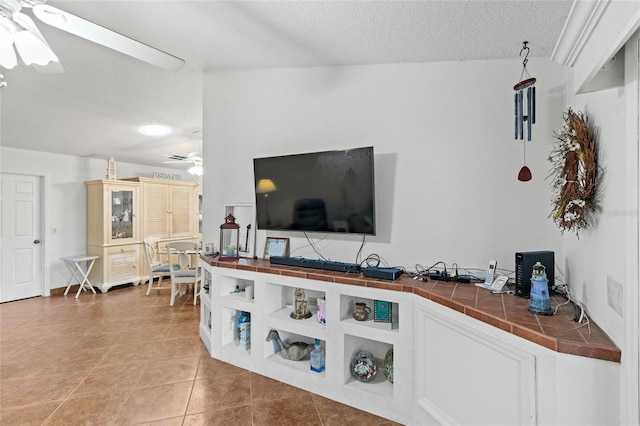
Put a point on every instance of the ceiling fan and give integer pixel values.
(18, 29)
(193, 158)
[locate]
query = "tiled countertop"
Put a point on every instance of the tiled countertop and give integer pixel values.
(505, 311)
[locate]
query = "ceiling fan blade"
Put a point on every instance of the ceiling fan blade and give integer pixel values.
(50, 68)
(177, 162)
(176, 157)
(105, 37)
(53, 65)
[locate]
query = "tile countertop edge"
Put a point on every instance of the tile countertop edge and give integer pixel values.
(436, 292)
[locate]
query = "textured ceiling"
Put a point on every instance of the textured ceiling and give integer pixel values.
(95, 107)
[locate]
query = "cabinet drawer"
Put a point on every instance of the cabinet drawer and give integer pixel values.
(122, 263)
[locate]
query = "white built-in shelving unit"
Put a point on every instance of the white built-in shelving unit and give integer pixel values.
(341, 336)
(449, 368)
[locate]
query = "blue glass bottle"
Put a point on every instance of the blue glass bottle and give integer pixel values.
(243, 331)
(317, 358)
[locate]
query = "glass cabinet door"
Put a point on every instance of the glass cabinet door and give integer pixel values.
(121, 214)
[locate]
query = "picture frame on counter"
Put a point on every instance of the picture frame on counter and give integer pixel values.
(276, 246)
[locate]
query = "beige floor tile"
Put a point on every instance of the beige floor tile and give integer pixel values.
(19, 370)
(166, 371)
(182, 329)
(236, 416)
(134, 351)
(173, 421)
(215, 392)
(333, 413)
(14, 322)
(76, 359)
(39, 389)
(155, 403)
(89, 410)
(265, 389)
(285, 412)
(210, 367)
(15, 337)
(183, 347)
(27, 415)
(111, 378)
(126, 336)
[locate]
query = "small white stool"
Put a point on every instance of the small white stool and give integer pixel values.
(75, 263)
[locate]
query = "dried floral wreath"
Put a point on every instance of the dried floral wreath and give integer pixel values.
(575, 173)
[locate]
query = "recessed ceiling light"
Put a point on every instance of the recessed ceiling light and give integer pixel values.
(154, 130)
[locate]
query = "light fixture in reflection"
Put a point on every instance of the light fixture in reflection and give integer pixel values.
(265, 186)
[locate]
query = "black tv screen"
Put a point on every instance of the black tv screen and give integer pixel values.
(330, 191)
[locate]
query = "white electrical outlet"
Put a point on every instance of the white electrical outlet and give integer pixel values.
(614, 294)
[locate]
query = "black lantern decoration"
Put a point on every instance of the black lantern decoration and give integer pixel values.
(526, 85)
(229, 239)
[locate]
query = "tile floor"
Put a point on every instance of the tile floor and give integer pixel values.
(122, 358)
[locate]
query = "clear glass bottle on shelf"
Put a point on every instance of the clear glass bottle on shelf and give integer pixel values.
(317, 358)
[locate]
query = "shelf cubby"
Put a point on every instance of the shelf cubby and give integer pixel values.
(379, 385)
(205, 326)
(277, 360)
(278, 306)
(206, 282)
(229, 332)
(226, 286)
(385, 331)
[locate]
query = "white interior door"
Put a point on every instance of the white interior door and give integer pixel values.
(21, 233)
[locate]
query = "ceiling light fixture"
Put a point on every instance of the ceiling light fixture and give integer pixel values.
(17, 29)
(196, 170)
(156, 130)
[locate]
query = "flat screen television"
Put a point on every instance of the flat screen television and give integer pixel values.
(330, 191)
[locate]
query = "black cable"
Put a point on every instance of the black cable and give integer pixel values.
(364, 236)
(444, 266)
(420, 270)
(314, 247)
(372, 260)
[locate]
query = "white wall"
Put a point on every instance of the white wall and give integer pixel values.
(65, 199)
(599, 252)
(446, 159)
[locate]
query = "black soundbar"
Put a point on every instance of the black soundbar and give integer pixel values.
(384, 273)
(327, 265)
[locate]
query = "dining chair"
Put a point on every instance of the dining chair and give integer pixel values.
(182, 273)
(156, 268)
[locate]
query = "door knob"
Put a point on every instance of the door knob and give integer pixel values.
(36, 241)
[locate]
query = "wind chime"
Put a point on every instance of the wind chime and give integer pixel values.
(525, 110)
